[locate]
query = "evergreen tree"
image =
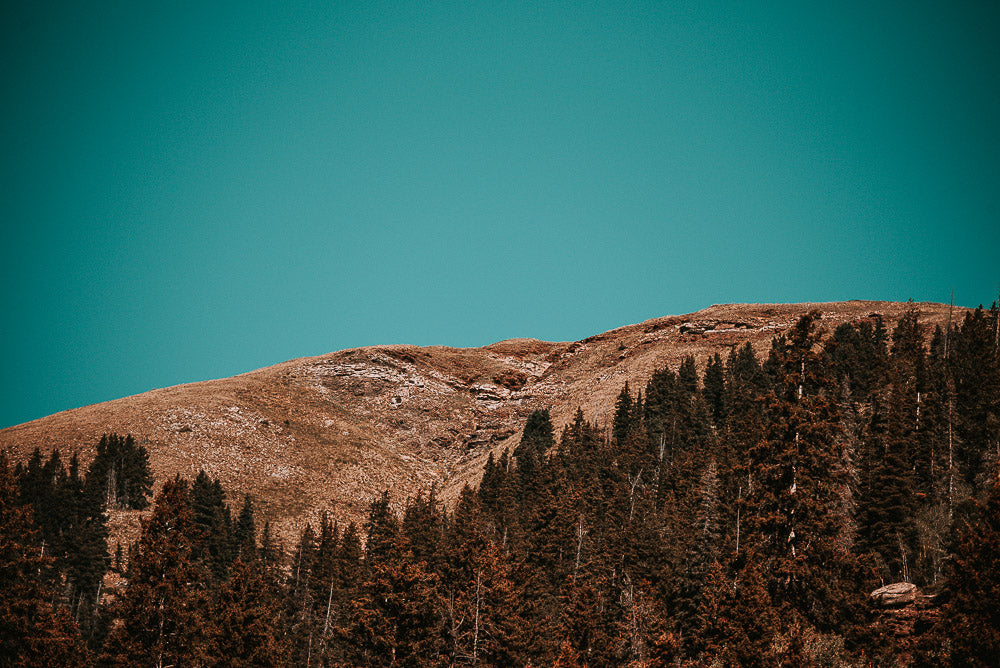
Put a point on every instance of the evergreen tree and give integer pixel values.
(382, 529)
(484, 619)
(244, 533)
(798, 520)
(976, 370)
(538, 436)
(215, 524)
(32, 631)
(858, 352)
(624, 415)
(300, 604)
(715, 389)
(247, 619)
(970, 626)
(396, 618)
(887, 524)
(119, 475)
(737, 620)
(687, 375)
(271, 554)
(163, 612)
(423, 530)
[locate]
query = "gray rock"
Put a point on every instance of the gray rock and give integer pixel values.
(896, 594)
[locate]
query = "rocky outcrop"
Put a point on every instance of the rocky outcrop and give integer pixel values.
(902, 613)
(895, 595)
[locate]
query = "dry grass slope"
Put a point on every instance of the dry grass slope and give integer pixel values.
(328, 433)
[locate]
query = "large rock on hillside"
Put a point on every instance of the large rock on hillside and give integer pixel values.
(895, 595)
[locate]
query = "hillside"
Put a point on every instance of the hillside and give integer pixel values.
(328, 433)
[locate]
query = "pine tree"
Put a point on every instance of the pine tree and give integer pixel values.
(970, 624)
(887, 524)
(624, 415)
(247, 628)
(32, 631)
(737, 619)
(245, 533)
(798, 519)
(976, 369)
(715, 389)
(163, 611)
(215, 524)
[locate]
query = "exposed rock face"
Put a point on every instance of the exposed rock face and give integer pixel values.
(903, 614)
(895, 595)
(329, 433)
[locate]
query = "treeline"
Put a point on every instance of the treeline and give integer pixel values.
(738, 515)
(54, 546)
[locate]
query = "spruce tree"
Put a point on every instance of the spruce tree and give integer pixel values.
(245, 533)
(247, 621)
(215, 524)
(32, 631)
(976, 370)
(715, 389)
(624, 415)
(737, 621)
(798, 519)
(887, 525)
(163, 613)
(538, 436)
(970, 626)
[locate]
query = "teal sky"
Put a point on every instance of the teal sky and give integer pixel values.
(193, 190)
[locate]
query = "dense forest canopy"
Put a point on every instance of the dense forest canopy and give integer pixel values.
(738, 514)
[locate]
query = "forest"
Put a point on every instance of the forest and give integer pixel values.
(739, 514)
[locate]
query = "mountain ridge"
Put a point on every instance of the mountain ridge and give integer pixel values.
(326, 433)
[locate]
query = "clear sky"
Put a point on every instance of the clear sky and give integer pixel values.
(196, 189)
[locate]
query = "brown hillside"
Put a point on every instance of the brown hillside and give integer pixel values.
(328, 433)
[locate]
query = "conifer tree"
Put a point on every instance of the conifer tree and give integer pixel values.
(300, 602)
(382, 529)
(798, 521)
(215, 524)
(484, 614)
(32, 632)
(271, 553)
(715, 388)
(976, 369)
(119, 475)
(887, 519)
(335, 585)
(163, 611)
(970, 625)
(687, 375)
(624, 414)
(244, 533)
(423, 529)
(737, 620)
(396, 618)
(538, 436)
(247, 624)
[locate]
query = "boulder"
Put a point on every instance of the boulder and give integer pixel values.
(895, 595)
